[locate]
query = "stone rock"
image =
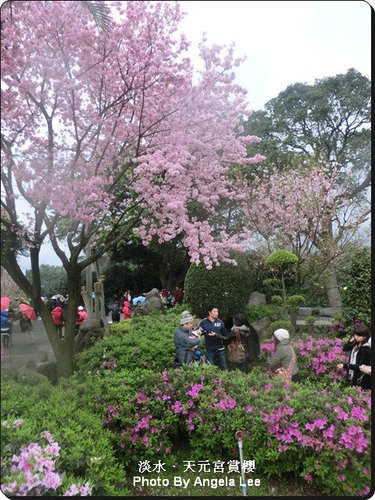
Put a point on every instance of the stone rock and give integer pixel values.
(262, 328)
(256, 298)
(329, 311)
(32, 376)
(88, 333)
(30, 363)
(154, 293)
(49, 370)
(305, 311)
(152, 301)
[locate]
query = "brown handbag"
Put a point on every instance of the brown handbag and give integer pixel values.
(235, 350)
(285, 374)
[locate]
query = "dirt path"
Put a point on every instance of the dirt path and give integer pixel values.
(21, 349)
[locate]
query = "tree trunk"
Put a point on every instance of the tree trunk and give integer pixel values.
(333, 293)
(63, 349)
(87, 298)
(100, 307)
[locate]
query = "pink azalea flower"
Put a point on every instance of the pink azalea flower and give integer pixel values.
(358, 413)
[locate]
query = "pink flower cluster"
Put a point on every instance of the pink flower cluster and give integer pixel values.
(109, 365)
(32, 472)
(319, 433)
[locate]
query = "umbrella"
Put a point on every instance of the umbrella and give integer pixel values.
(5, 301)
(58, 296)
(28, 311)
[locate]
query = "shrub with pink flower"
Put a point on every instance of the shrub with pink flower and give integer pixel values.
(33, 472)
(317, 358)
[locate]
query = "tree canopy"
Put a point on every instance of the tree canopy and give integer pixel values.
(328, 122)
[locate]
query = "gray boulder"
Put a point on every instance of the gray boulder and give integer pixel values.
(88, 333)
(152, 301)
(262, 328)
(256, 298)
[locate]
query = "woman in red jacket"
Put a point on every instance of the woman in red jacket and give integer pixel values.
(57, 317)
(126, 309)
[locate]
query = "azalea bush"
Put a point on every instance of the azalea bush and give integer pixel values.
(33, 470)
(30, 415)
(151, 414)
(317, 358)
(147, 343)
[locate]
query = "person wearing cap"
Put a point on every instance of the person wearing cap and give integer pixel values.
(185, 339)
(360, 356)
(283, 354)
(81, 317)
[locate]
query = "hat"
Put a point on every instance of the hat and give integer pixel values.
(186, 317)
(281, 334)
(80, 308)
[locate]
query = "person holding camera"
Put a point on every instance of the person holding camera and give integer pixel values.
(216, 335)
(186, 339)
(360, 355)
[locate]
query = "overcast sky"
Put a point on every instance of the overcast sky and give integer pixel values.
(285, 42)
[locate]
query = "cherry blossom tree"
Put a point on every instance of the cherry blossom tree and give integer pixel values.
(305, 210)
(108, 132)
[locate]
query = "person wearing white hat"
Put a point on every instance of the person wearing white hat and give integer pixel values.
(185, 339)
(81, 317)
(283, 354)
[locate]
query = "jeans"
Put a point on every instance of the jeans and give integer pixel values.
(218, 354)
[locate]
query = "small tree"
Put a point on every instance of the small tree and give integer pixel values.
(281, 262)
(305, 210)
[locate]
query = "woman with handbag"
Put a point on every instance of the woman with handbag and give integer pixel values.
(360, 355)
(283, 362)
(243, 347)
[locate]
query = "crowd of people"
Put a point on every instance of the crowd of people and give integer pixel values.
(123, 305)
(57, 305)
(188, 339)
(216, 336)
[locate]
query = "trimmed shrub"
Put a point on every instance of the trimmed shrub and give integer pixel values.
(281, 323)
(227, 286)
(255, 313)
